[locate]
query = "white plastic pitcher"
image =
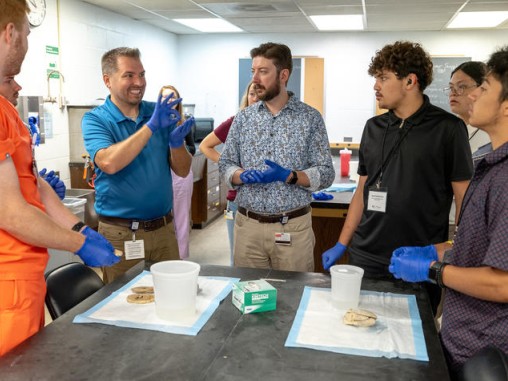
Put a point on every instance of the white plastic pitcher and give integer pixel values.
(175, 286)
(346, 285)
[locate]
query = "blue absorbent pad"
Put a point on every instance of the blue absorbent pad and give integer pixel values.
(340, 187)
(398, 330)
(115, 310)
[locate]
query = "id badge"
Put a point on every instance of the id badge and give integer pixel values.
(134, 249)
(377, 199)
(283, 239)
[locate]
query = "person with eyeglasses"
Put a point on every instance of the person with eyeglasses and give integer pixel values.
(464, 79)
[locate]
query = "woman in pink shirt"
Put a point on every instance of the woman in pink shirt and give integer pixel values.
(218, 136)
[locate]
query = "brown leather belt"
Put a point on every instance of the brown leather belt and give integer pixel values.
(146, 225)
(273, 218)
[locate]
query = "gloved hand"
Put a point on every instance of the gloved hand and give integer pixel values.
(55, 182)
(330, 256)
(321, 196)
(177, 136)
(164, 115)
(32, 123)
(275, 172)
(96, 252)
(251, 176)
(90, 233)
(428, 252)
(412, 263)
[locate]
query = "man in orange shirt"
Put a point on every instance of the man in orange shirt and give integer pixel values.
(32, 217)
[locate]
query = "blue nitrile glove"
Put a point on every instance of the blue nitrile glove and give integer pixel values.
(428, 252)
(90, 233)
(330, 256)
(321, 196)
(177, 136)
(274, 173)
(55, 182)
(96, 253)
(412, 263)
(164, 115)
(32, 123)
(251, 176)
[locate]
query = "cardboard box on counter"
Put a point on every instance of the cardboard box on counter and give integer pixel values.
(254, 296)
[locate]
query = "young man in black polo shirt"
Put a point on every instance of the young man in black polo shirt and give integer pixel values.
(412, 161)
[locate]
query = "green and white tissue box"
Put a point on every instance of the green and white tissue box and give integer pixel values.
(254, 296)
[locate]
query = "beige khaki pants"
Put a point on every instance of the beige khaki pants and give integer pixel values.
(160, 245)
(254, 244)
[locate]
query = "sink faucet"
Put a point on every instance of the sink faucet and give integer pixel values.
(58, 99)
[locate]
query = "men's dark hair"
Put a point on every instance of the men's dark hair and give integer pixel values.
(13, 11)
(497, 66)
(280, 54)
(109, 61)
(475, 69)
(403, 58)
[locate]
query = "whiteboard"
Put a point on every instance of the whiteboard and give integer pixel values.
(443, 67)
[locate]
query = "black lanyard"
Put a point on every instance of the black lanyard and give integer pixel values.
(385, 162)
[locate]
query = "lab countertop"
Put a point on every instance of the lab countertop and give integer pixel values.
(231, 346)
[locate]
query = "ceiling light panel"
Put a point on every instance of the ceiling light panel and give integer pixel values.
(478, 19)
(338, 22)
(211, 25)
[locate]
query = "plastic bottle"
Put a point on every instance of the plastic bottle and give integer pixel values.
(345, 157)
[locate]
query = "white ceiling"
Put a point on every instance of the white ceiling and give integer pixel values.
(292, 16)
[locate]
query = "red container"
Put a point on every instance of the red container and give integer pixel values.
(345, 158)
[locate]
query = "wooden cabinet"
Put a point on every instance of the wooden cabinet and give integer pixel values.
(328, 218)
(209, 194)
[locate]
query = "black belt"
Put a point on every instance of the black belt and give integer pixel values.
(272, 218)
(146, 225)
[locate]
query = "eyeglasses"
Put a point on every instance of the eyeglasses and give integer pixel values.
(459, 90)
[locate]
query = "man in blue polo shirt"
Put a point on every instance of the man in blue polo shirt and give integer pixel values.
(133, 144)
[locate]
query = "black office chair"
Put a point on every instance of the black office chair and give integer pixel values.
(68, 285)
(489, 364)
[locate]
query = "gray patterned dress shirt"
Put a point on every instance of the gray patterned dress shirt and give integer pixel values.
(295, 138)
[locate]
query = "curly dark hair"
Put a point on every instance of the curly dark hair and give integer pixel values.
(498, 67)
(403, 58)
(280, 54)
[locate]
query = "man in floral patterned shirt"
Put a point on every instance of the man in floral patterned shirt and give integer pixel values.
(276, 154)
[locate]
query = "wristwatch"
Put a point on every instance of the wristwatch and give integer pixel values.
(78, 226)
(436, 273)
(294, 178)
